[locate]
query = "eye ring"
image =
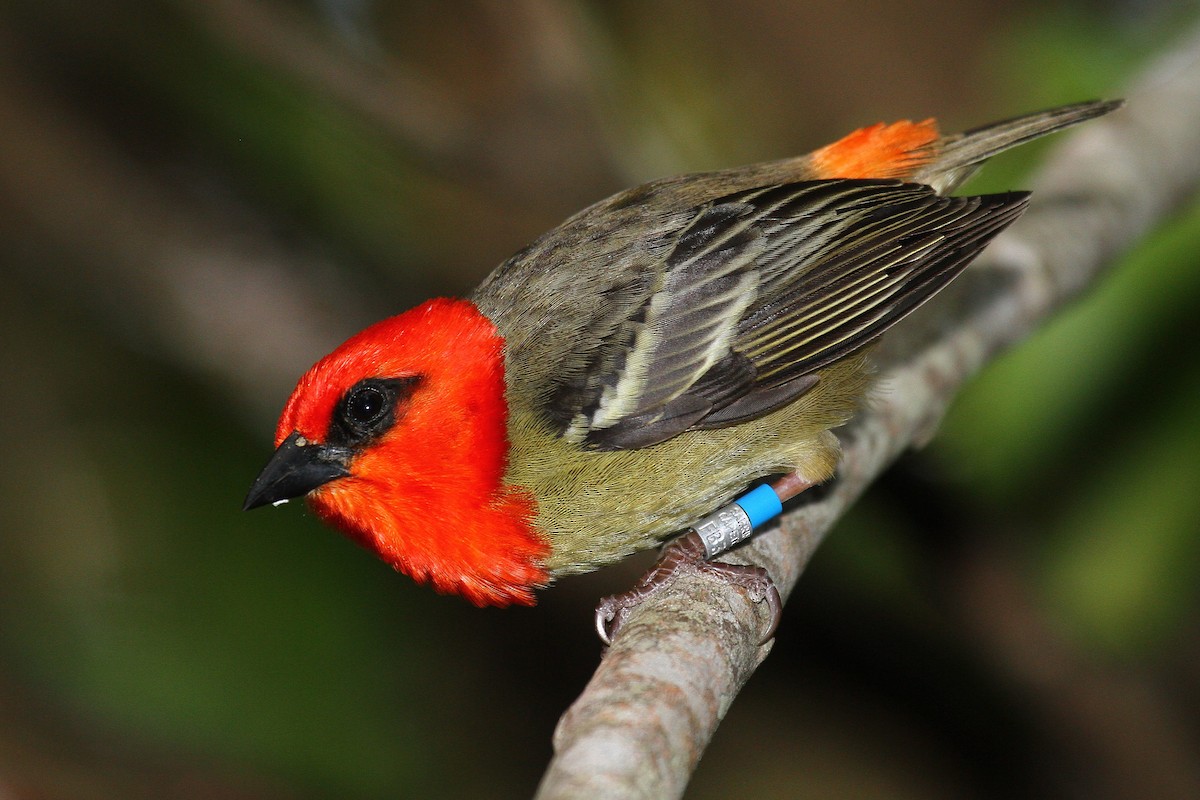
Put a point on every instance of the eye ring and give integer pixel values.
(365, 405)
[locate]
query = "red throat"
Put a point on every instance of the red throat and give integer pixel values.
(429, 495)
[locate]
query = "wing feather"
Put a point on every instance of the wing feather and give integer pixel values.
(758, 291)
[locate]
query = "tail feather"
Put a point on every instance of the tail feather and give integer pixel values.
(963, 153)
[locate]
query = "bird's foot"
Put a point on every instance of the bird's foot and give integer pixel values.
(682, 555)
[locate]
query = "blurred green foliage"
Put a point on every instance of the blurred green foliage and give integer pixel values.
(1099, 411)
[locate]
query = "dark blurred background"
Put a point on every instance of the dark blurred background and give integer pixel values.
(199, 199)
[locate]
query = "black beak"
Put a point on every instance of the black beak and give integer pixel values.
(298, 467)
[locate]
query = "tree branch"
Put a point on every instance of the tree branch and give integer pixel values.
(643, 721)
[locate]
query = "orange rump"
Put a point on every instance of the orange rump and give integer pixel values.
(879, 151)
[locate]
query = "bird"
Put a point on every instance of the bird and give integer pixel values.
(623, 380)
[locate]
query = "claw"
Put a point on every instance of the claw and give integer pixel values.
(606, 613)
(602, 625)
(775, 607)
(610, 613)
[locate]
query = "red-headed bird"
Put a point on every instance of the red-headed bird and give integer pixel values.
(639, 365)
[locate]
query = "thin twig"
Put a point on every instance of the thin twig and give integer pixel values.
(643, 721)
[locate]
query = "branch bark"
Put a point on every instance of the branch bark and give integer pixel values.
(643, 721)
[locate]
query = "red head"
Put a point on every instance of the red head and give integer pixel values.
(399, 439)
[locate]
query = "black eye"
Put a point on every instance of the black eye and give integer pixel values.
(369, 409)
(365, 405)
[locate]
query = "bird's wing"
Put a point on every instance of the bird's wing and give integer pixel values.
(759, 291)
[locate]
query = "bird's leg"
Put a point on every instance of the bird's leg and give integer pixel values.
(710, 537)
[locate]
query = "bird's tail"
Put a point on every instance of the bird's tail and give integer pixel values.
(962, 153)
